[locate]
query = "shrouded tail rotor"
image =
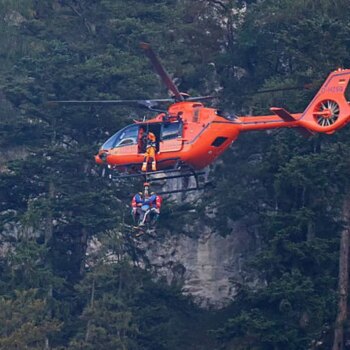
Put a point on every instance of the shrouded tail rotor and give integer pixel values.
(326, 112)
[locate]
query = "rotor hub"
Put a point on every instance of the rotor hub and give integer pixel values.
(327, 113)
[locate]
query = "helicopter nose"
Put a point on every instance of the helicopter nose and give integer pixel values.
(101, 157)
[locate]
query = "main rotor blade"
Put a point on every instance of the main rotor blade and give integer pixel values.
(199, 98)
(161, 71)
(149, 103)
(145, 103)
(95, 102)
(301, 87)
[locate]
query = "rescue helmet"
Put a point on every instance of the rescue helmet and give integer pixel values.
(151, 136)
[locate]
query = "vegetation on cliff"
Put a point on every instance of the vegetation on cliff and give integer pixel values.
(52, 201)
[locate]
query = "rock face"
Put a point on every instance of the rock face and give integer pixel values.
(206, 265)
(209, 268)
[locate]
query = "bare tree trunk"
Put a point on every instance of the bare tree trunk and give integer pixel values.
(49, 297)
(82, 249)
(338, 343)
(49, 224)
(47, 343)
(92, 300)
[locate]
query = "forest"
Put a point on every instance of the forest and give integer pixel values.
(56, 291)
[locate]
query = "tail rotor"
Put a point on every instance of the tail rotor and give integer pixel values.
(326, 112)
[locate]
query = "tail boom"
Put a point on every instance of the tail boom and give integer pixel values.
(249, 123)
(330, 109)
(327, 112)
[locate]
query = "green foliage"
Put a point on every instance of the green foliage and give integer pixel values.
(124, 308)
(25, 322)
(289, 189)
(285, 43)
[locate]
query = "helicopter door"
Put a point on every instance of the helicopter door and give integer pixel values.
(171, 137)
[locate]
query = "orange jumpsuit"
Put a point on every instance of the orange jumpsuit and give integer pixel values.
(150, 152)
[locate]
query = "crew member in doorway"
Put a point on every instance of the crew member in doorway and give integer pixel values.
(150, 154)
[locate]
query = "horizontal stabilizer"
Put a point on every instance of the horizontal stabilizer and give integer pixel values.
(282, 113)
(287, 117)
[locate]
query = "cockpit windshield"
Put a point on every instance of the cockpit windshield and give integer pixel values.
(125, 137)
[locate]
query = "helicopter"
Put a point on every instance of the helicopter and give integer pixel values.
(191, 136)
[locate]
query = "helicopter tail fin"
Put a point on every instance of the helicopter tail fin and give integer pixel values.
(329, 110)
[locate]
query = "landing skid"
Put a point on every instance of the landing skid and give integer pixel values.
(114, 174)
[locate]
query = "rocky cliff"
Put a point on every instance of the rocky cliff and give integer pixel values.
(209, 267)
(191, 253)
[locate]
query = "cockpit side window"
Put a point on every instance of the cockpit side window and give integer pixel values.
(128, 136)
(171, 131)
(110, 142)
(124, 137)
(126, 142)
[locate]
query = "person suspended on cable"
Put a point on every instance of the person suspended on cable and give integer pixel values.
(150, 154)
(136, 205)
(146, 206)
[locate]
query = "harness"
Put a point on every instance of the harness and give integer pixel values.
(151, 140)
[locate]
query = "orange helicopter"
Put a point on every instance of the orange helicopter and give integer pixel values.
(190, 136)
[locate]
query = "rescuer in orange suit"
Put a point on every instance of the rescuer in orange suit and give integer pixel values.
(150, 154)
